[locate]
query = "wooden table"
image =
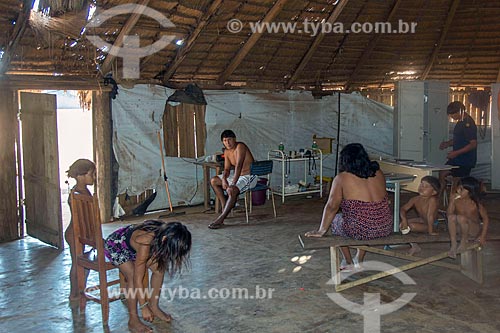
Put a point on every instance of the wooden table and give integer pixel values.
(219, 167)
(393, 183)
(419, 170)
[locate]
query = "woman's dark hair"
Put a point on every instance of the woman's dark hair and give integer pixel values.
(473, 186)
(170, 246)
(227, 134)
(354, 159)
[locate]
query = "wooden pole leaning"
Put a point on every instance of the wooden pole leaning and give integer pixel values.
(165, 178)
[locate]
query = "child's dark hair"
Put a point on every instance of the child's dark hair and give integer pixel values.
(354, 159)
(80, 167)
(455, 107)
(227, 134)
(170, 246)
(473, 186)
(433, 181)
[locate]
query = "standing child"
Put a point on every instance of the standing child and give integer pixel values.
(465, 214)
(426, 205)
(83, 171)
(154, 244)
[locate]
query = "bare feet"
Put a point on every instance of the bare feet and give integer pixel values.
(215, 225)
(315, 233)
(160, 314)
(452, 253)
(414, 249)
(136, 326)
(218, 223)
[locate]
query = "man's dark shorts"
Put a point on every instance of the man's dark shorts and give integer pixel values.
(461, 171)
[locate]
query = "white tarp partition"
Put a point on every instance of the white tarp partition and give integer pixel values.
(261, 119)
(137, 116)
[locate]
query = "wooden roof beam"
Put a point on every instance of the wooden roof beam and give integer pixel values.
(21, 23)
(371, 46)
(182, 52)
(315, 44)
(242, 53)
(127, 27)
(444, 32)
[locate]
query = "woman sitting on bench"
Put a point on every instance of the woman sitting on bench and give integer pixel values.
(359, 191)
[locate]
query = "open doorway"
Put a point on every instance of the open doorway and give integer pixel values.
(74, 129)
(56, 130)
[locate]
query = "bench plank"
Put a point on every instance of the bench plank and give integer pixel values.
(471, 263)
(310, 243)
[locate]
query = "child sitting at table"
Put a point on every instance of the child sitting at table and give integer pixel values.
(426, 205)
(465, 214)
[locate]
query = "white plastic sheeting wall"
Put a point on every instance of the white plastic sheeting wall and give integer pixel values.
(261, 119)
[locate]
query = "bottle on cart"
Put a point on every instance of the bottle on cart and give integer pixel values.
(281, 147)
(315, 145)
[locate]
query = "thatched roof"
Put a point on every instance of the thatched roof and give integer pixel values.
(454, 40)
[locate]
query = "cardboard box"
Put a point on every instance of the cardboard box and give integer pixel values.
(325, 144)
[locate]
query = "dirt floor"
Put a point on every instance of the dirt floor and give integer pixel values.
(287, 286)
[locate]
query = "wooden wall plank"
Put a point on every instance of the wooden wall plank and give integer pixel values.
(8, 205)
(201, 129)
(170, 130)
(186, 131)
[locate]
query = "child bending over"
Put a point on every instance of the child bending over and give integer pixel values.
(465, 214)
(161, 247)
(426, 205)
(83, 171)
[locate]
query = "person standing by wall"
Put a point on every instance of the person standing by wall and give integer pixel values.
(464, 144)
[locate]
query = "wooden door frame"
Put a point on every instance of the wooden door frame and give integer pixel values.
(10, 86)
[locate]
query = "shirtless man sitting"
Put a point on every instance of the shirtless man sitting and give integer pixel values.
(237, 156)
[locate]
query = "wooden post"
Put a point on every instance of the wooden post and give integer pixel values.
(9, 229)
(103, 130)
(472, 263)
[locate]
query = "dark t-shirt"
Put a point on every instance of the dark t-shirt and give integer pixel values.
(464, 132)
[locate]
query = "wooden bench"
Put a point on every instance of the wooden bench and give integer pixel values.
(471, 260)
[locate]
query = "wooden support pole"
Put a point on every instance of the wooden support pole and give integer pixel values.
(8, 191)
(101, 108)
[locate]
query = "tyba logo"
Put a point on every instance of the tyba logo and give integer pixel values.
(131, 51)
(372, 309)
